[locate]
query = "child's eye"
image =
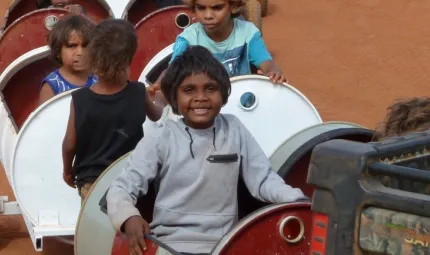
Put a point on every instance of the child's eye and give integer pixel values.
(200, 8)
(218, 7)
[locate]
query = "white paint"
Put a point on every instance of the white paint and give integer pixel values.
(94, 231)
(119, 7)
(8, 141)
(281, 112)
(37, 166)
(154, 61)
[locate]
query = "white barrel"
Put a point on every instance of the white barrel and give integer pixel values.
(37, 167)
(271, 112)
(94, 231)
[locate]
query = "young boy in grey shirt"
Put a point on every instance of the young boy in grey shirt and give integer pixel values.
(195, 163)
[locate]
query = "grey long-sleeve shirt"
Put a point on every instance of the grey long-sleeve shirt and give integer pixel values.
(196, 202)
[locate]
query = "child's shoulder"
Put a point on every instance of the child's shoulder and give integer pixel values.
(230, 120)
(245, 27)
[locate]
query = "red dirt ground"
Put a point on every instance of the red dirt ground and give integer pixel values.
(350, 58)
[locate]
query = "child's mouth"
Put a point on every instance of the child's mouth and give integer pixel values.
(200, 111)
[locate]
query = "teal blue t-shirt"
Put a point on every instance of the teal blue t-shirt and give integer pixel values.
(243, 47)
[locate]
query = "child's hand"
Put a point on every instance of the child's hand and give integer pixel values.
(75, 9)
(68, 178)
(274, 76)
(135, 227)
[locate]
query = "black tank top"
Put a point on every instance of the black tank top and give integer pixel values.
(107, 127)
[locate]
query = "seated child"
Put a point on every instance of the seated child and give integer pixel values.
(67, 4)
(195, 163)
(235, 43)
(68, 42)
(403, 117)
(106, 119)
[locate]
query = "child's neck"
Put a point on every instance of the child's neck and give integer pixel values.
(78, 78)
(222, 34)
(108, 87)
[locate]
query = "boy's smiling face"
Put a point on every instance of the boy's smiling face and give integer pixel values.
(199, 100)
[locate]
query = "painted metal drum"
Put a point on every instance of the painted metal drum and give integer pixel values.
(275, 229)
(271, 112)
(291, 159)
(26, 34)
(8, 140)
(137, 10)
(44, 198)
(94, 231)
(156, 65)
(21, 80)
(156, 31)
(96, 10)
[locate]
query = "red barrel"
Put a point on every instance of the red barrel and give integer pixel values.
(27, 33)
(136, 10)
(157, 31)
(275, 229)
(96, 10)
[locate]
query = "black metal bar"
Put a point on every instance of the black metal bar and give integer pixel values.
(399, 171)
(161, 244)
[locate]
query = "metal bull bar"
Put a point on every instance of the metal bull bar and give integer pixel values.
(349, 182)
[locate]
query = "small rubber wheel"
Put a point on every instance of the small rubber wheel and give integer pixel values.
(252, 13)
(264, 7)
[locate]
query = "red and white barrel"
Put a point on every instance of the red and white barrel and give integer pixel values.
(96, 10)
(156, 31)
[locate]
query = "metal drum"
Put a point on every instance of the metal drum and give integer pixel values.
(27, 33)
(156, 31)
(96, 10)
(94, 231)
(20, 82)
(275, 229)
(291, 159)
(9, 133)
(156, 66)
(271, 112)
(50, 206)
(137, 9)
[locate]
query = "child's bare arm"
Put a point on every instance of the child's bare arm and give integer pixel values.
(271, 70)
(69, 148)
(45, 93)
(154, 110)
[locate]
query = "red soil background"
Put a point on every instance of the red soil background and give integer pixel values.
(350, 58)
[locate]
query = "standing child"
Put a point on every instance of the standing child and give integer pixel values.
(106, 119)
(68, 42)
(195, 162)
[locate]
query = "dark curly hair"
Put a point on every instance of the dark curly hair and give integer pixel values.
(194, 60)
(404, 116)
(239, 3)
(112, 47)
(59, 35)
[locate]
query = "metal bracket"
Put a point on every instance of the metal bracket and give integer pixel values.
(9, 208)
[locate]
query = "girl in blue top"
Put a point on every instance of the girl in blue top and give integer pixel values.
(68, 42)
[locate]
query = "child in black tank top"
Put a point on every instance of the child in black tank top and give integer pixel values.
(106, 119)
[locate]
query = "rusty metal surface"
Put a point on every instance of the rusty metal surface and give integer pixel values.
(22, 91)
(156, 31)
(259, 233)
(139, 9)
(94, 9)
(27, 33)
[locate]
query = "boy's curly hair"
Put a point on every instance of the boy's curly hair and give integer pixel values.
(59, 35)
(112, 48)
(239, 3)
(404, 116)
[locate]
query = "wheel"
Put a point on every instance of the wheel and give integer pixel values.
(264, 7)
(252, 13)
